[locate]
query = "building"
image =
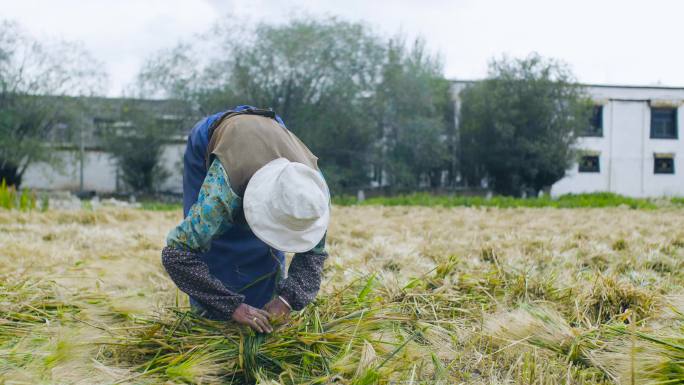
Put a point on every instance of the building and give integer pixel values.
(632, 146)
(84, 165)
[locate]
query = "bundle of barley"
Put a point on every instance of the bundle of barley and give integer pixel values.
(646, 355)
(627, 354)
(541, 327)
(349, 335)
(38, 339)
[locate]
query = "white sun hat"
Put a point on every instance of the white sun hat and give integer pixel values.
(287, 205)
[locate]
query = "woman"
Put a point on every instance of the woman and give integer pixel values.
(252, 191)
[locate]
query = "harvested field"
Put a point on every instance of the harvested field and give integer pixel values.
(422, 295)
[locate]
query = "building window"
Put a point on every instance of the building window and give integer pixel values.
(595, 127)
(102, 125)
(663, 164)
(663, 123)
(589, 163)
(60, 133)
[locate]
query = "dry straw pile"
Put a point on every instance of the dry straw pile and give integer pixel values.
(421, 295)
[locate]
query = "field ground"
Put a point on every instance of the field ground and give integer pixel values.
(519, 296)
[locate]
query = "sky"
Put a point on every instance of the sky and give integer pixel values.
(603, 41)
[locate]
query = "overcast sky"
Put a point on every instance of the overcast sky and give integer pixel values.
(604, 41)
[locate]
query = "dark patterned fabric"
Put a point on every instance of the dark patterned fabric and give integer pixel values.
(304, 277)
(192, 276)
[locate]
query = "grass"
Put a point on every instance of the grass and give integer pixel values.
(593, 200)
(160, 206)
(10, 198)
(433, 295)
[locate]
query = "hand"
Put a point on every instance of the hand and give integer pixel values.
(278, 309)
(257, 319)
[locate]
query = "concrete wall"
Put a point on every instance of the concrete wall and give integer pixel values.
(99, 172)
(173, 159)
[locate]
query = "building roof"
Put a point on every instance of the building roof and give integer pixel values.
(659, 87)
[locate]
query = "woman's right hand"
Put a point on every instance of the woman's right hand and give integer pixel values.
(257, 319)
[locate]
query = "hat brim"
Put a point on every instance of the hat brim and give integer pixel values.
(265, 227)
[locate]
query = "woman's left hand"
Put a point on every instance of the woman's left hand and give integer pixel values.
(278, 309)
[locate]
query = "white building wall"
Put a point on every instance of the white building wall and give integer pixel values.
(626, 148)
(99, 172)
(172, 158)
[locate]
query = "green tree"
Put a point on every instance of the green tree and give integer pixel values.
(37, 82)
(354, 99)
(318, 75)
(415, 113)
(518, 126)
(136, 141)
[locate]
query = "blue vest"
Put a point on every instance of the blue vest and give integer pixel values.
(244, 263)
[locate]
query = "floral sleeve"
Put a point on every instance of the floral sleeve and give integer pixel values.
(210, 216)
